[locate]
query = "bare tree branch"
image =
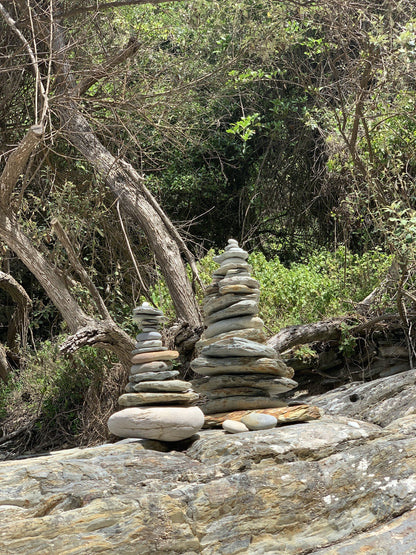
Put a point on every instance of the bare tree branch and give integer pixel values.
(78, 267)
(20, 320)
(17, 161)
(108, 5)
(100, 72)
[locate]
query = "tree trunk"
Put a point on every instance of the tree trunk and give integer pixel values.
(86, 329)
(19, 322)
(128, 186)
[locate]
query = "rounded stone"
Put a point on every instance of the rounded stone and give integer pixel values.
(259, 421)
(160, 423)
(234, 426)
(155, 366)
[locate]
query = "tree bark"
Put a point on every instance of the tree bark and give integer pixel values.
(306, 333)
(20, 319)
(127, 185)
(86, 329)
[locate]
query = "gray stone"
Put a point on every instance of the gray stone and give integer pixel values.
(380, 401)
(232, 324)
(239, 280)
(151, 323)
(147, 309)
(139, 399)
(234, 426)
(233, 264)
(228, 404)
(150, 335)
(240, 365)
(151, 376)
(155, 366)
(166, 386)
(233, 252)
(213, 304)
(255, 334)
(238, 347)
(148, 350)
(236, 288)
(264, 381)
(149, 343)
(241, 308)
(235, 391)
(160, 423)
(258, 421)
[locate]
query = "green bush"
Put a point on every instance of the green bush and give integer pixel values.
(328, 284)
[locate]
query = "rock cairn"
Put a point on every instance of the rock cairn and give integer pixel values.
(241, 372)
(153, 382)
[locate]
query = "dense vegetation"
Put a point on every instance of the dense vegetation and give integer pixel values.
(287, 125)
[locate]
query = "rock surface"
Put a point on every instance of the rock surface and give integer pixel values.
(334, 486)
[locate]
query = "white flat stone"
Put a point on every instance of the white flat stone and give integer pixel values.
(234, 426)
(160, 423)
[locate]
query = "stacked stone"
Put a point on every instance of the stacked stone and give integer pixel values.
(241, 372)
(152, 382)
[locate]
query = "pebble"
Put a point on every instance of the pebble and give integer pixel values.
(234, 426)
(259, 421)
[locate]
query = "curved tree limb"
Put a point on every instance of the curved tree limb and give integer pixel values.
(20, 319)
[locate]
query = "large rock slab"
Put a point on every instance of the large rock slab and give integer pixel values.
(301, 487)
(380, 401)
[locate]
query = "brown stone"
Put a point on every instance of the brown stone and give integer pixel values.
(141, 358)
(284, 415)
(139, 399)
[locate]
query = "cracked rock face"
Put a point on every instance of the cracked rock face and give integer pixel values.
(336, 485)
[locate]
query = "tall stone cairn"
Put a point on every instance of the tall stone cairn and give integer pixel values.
(159, 403)
(240, 371)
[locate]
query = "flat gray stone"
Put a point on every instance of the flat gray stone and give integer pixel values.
(240, 365)
(216, 303)
(139, 399)
(238, 347)
(150, 335)
(241, 308)
(149, 343)
(165, 386)
(233, 264)
(239, 280)
(259, 421)
(147, 309)
(234, 426)
(235, 392)
(148, 350)
(254, 334)
(151, 376)
(154, 366)
(233, 252)
(229, 404)
(227, 381)
(232, 324)
(160, 423)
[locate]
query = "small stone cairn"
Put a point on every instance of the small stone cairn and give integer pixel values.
(240, 371)
(153, 382)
